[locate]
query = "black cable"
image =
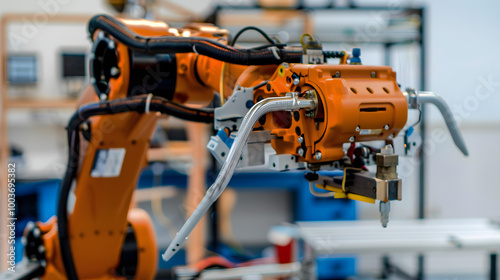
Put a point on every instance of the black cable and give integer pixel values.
(62, 213)
(264, 34)
(200, 45)
(132, 104)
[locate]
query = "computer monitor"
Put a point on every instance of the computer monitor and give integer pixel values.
(21, 69)
(73, 65)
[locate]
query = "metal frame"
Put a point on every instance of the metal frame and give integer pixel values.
(410, 236)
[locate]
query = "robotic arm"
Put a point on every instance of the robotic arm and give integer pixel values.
(312, 114)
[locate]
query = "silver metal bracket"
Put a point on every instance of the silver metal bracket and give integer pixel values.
(284, 162)
(253, 152)
(232, 113)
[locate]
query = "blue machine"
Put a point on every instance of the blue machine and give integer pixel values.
(35, 201)
(307, 207)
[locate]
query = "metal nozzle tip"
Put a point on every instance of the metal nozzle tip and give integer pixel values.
(166, 257)
(384, 208)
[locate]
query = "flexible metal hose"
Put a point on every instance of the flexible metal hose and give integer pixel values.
(256, 112)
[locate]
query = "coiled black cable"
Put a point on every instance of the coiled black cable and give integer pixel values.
(133, 104)
(334, 54)
(200, 45)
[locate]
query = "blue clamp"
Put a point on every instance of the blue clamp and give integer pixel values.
(355, 59)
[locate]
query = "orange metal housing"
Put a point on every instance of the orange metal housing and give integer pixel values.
(355, 103)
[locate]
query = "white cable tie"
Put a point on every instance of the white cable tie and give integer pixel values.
(148, 103)
(275, 52)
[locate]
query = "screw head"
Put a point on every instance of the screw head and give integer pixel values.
(111, 45)
(386, 127)
(301, 152)
(36, 232)
(318, 155)
(337, 74)
(300, 139)
(358, 128)
(296, 81)
(351, 139)
(30, 225)
(114, 71)
(373, 74)
(103, 96)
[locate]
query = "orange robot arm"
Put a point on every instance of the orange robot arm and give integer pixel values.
(122, 135)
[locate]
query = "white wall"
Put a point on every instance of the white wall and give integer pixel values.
(41, 134)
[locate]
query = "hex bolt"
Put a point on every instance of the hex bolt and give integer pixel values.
(103, 96)
(374, 74)
(386, 127)
(301, 152)
(358, 128)
(351, 139)
(318, 155)
(300, 139)
(296, 81)
(337, 74)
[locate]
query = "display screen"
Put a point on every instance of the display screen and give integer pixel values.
(73, 65)
(21, 69)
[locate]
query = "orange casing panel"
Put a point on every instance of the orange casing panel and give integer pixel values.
(358, 101)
